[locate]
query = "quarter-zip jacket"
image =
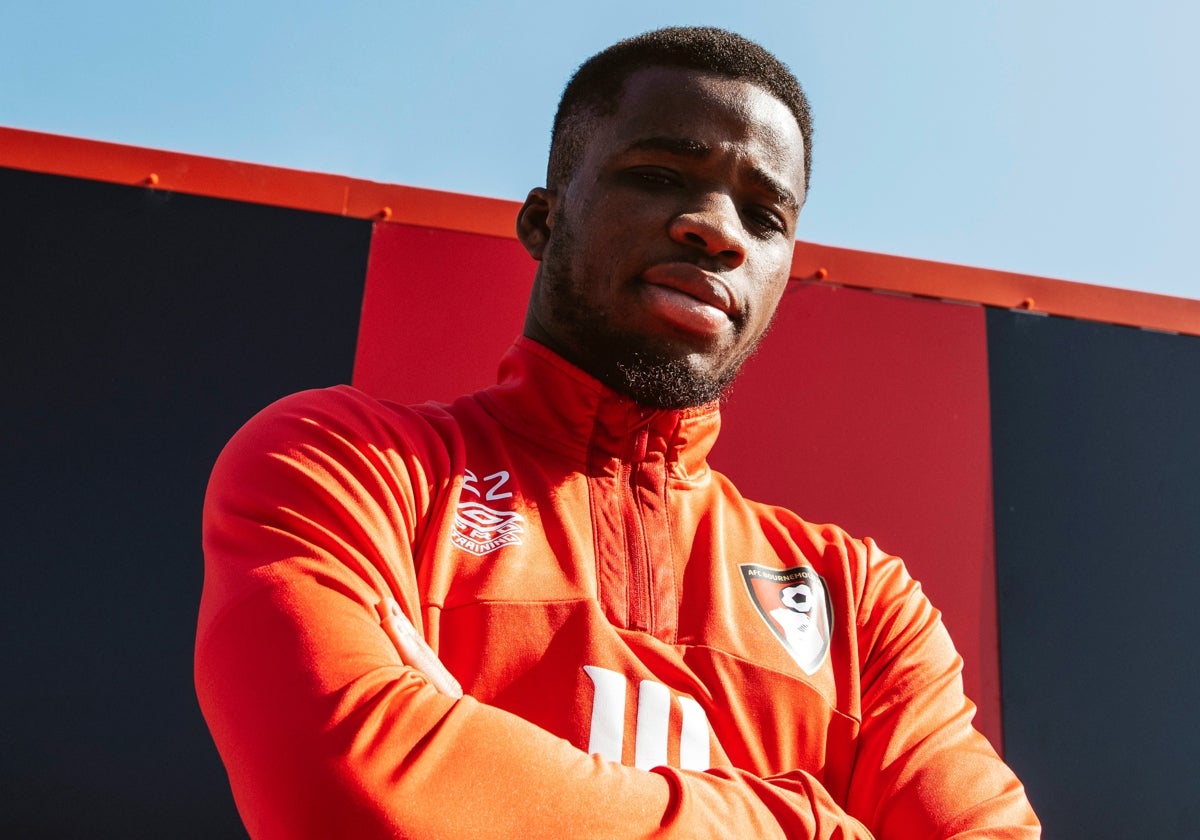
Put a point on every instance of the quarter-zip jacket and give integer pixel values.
(644, 652)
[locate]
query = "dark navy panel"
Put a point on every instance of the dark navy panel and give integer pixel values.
(1096, 443)
(139, 329)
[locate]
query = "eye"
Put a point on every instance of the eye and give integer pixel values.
(766, 221)
(654, 176)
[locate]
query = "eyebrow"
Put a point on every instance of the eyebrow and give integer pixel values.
(681, 146)
(686, 147)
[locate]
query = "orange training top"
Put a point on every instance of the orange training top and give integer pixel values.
(644, 652)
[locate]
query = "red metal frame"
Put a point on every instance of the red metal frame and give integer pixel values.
(358, 198)
(339, 195)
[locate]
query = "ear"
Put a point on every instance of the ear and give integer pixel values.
(535, 220)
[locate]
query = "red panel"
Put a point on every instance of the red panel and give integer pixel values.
(871, 411)
(439, 309)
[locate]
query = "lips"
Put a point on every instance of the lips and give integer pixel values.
(689, 297)
(693, 281)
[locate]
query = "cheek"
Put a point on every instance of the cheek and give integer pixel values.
(766, 301)
(772, 282)
(600, 263)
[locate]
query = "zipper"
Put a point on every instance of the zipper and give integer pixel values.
(641, 605)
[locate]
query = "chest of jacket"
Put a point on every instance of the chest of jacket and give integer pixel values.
(626, 608)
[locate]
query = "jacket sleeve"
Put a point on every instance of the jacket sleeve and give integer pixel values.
(922, 769)
(309, 526)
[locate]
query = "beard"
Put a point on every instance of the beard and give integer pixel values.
(659, 382)
(652, 370)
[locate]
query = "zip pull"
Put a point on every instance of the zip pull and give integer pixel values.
(640, 444)
(413, 650)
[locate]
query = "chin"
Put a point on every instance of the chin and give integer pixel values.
(670, 383)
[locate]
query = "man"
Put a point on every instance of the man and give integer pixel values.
(559, 543)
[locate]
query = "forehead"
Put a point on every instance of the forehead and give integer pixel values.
(712, 110)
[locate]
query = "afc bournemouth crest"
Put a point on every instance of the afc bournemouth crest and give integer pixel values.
(795, 605)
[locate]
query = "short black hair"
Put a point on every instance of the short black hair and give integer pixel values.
(595, 88)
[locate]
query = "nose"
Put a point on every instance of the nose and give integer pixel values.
(713, 226)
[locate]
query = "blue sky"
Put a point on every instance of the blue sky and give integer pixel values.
(1054, 137)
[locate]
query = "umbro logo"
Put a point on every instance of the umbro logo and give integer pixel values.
(480, 528)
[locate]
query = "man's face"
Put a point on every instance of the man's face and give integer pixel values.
(664, 256)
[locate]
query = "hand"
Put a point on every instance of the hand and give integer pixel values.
(414, 651)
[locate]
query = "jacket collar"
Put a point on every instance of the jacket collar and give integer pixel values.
(544, 398)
